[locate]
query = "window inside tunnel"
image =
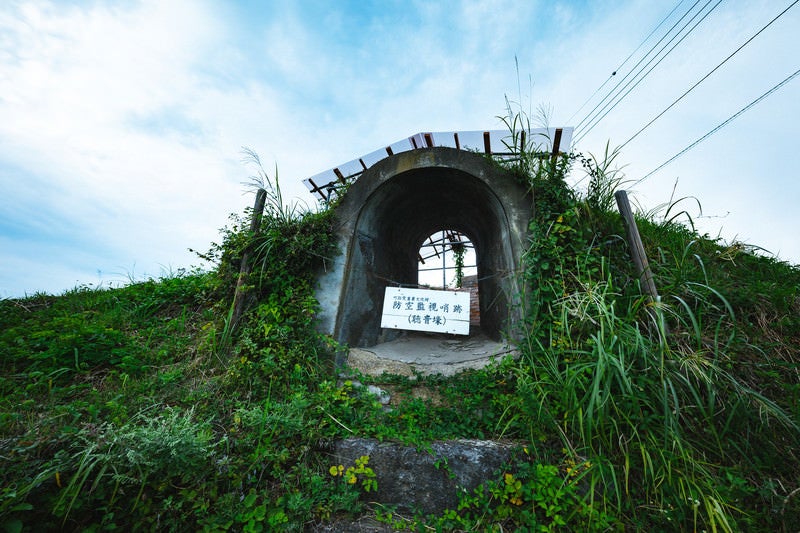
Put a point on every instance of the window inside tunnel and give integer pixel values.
(398, 216)
(446, 259)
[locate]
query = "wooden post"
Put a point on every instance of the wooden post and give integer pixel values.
(648, 285)
(239, 297)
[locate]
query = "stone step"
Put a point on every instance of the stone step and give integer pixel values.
(428, 480)
(412, 480)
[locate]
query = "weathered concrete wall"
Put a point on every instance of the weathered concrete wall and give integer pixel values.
(387, 214)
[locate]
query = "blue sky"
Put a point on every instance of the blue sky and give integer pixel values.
(122, 123)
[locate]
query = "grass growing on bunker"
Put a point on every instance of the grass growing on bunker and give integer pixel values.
(142, 408)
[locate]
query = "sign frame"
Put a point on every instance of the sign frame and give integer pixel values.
(437, 311)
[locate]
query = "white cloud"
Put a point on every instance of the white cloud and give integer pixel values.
(122, 123)
(76, 81)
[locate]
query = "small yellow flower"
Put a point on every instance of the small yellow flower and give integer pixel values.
(516, 500)
(352, 479)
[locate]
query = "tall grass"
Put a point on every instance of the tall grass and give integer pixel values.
(629, 403)
(169, 446)
(644, 390)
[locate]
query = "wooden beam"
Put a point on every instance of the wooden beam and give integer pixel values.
(242, 285)
(339, 175)
(647, 284)
(557, 144)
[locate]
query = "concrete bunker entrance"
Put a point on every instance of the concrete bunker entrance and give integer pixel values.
(398, 204)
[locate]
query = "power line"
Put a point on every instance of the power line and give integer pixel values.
(614, 73)
(720, 126)
(709, 73)
(638, 81)
(619, 99)
(669, 31)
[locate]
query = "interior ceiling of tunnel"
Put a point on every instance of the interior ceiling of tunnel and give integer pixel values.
(420, 202)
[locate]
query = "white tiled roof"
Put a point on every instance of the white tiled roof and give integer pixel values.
(498, 143)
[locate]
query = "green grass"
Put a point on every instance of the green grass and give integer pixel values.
(144, 408)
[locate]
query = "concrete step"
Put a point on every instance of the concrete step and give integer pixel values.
(427, 354)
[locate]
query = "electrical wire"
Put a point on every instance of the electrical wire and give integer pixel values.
(619, 99)
(669, 31)
(748, 41)
(619, 68)
(643, 76)
(720, 126)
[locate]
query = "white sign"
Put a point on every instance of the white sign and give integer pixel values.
(426, 310)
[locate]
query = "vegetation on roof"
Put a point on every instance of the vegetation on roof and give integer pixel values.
(146, 407)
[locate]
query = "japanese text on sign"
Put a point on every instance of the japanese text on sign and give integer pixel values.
(426, 310)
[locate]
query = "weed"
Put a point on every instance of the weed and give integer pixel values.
(534, 497)
(358, 472)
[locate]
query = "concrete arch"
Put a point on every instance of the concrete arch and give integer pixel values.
(386, 215)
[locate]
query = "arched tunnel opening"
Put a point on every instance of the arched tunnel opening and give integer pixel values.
(394, 211)
(445, 258)
(446, 261)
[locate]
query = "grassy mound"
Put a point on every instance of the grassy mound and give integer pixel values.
(146, 407)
